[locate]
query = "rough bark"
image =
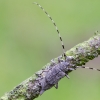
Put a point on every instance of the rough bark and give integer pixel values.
(82, 53)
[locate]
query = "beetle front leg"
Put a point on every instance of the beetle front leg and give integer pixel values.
(67, 76)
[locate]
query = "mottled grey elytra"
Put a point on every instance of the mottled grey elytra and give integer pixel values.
(54, 74)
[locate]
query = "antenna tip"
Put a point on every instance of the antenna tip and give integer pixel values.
(34, 3)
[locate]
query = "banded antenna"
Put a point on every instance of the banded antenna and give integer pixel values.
(88, 68)
(63, 47)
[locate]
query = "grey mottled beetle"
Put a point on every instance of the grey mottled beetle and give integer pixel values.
(51, 75)
(54, 75)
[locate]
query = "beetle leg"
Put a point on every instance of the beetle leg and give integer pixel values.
(56, 85)
(67, 76)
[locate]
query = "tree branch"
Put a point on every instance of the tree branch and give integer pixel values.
(82, 53)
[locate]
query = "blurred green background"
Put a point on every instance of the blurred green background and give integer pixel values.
(28, 41)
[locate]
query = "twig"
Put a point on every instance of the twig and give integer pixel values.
(82, 53)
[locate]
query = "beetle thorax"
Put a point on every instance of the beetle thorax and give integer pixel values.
(64, 66)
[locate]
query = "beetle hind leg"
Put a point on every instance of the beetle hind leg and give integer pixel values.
(56, 85)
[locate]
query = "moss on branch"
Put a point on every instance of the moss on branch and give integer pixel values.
(82, 53)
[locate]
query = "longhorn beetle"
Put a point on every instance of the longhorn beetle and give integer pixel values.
(50, 76)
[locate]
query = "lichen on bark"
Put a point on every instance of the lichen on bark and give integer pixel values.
(82, 53)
